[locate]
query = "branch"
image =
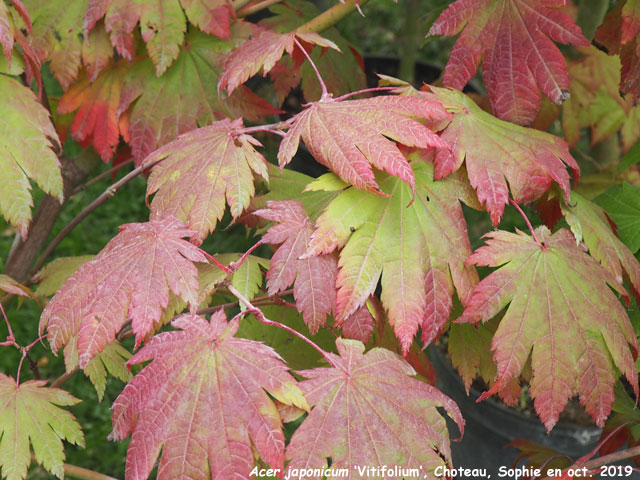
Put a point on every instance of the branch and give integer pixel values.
(612, 458)
(262, 319)
(108, 193)
(251, 9)
(97, 178)
(85, 474)
(330, 17)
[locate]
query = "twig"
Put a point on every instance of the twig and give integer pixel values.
(604, 460)
(10, 337)
(262, 319)
(366, 90)
(97, 178)
(270, 128)
(64, 377)
(108, 193)
(251, 9)
(526, 219)
(233, 266)
(325, 93)
(213, 260)
(330, 17)
(84, 473)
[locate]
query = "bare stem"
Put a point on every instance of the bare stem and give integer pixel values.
(366, 90)
(10, 336)
(251, 9)
(270, 128)
(84, 474)
(262, 319)
(233, 266)
(64, 377)
(526, 219)
(325, 93)
(97, 178)
(213, 260)
(108, 193)
(613, 457)
(330, 17)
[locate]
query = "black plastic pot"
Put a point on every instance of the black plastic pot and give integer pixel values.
(490, 426)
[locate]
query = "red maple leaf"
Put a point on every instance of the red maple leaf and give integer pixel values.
(201, 169)
(620, 34)
(129, 278)
(262, 52)
(212, 416)
(98, 120)
(356, 408)
(315, 277)
(351, 136)
(514, 39)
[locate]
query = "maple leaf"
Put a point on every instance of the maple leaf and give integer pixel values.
(201, 167)
(185, 96)
(342, 70)
(111, 359)
(57, 28)
(162, 24)
(315, 277)
(262, 52)
(561, 312)
(418, 249)
(29, 413)
(295, 352)
(27, 137)
(622, 203)
(55, 273)
(359, 325)
(509, 158)
(514, 39)
(211, 16)
(129, 278)
(356, 407)
(620, 34)
(350, 136)
(286, 184)
(596, 102)
(98, 120)
(6, 31)
(589, 222)
(9, 285)
(96, 52)
(222, 415)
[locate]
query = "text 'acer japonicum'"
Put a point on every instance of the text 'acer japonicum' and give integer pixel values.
(259, 317)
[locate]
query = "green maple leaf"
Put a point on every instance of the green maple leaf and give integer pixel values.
(185, 96)
(28, 414)
(418, 248)
(57, 29)
(588, 222)
(26, 141)
(561, 312)
(595, 101)
(622, 203)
